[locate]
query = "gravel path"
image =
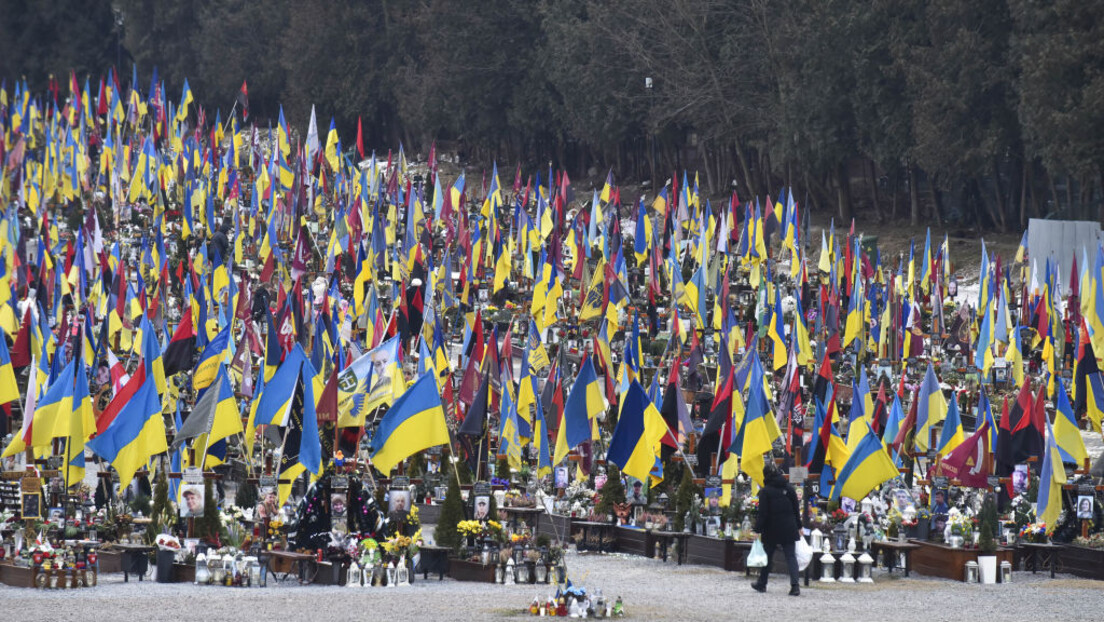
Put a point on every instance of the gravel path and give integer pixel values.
(651, 590)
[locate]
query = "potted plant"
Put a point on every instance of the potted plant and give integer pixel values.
(987, 541)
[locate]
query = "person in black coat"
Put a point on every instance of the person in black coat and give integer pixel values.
(778, 524)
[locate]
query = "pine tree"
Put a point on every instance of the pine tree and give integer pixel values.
(987, 518)
(684, 498)
(247, 495)
(452, 512)
(613, 491)
(161, 515)
(208, 526)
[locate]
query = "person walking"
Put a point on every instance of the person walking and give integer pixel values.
(778, 524)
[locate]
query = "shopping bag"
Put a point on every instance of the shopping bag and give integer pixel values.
(757, 557)
(803, 552)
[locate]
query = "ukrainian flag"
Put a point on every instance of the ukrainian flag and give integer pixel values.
(867, 468)
(1051, 478)
(952, 435)
(582, 406)
(137, 434)
(275, 398)
(1067, 435)
(931, 408)
(540, 436)
(82, 422)
(51, 416)
(151, 354)
(416, 421)
(9, 390)
(636, 440)
(208, 366)
(760, 429)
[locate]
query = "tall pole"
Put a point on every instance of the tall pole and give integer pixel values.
(651, 110)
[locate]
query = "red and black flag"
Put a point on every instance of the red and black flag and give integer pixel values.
(1025, 442)
(243, 100)
(181, 350)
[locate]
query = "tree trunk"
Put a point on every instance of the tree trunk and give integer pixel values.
(999, 195)
(843, 193)
(914, 196)
(935, 204)
(1053, 193)
(1023, 194)
(749, 183)
(874, 191)
(709, 183)
(896, 183)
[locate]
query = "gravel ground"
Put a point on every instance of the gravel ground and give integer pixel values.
(650, 589)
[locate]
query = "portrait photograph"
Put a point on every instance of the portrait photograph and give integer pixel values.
(398, 501)
(482, 507)
(191, 500)
(1085, 506)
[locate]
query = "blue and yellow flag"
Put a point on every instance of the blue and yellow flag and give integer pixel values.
(636, 440)
(208, 366)
(9, 390)
(582, 406)
(416, 421)
(1051, 479)
(135, 435)
(867, 467)
(1066, 433)
(931, 408)
(952, 435)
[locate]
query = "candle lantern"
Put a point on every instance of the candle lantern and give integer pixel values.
(847, 574)
(402, 573)
(817, 539)
(972, 571)
(1006, 572)
(353, 577)
(827, 568)
(202, 573)
(866, 562)
(510, 568)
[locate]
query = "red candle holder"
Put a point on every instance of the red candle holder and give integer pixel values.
(92, 557)
(37, 557)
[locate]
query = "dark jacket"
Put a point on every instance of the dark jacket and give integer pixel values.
(779, 516)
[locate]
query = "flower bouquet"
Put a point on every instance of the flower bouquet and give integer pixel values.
(167, 542)
(1034, 532)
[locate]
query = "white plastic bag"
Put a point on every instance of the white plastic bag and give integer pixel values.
(757, 557)
(803, 552)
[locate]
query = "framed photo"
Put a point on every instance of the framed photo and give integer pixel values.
(190, 545)
(439, 493)
(847, 504)
(481, 507)
(398, 501)
(191, 500)
(713, 500)
(561, 477)
(31, 506)
(637, 495)
(1020, 478)
(1085, 506)
(55, 515)
(338, 505)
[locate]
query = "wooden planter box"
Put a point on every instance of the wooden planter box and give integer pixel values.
(634, 541)
(428, 514)
(110, 561)
(18, 576)
(555, 526)
(705, 551)
(1082, 561)
(183, 573)
(463, 570)
(939, 560)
